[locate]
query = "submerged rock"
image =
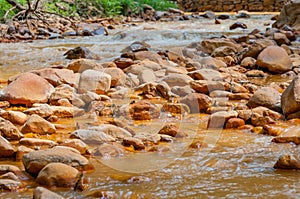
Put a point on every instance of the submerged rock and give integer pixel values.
(43, 193)
(288, 161)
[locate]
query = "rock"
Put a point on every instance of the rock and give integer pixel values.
(238, 24)
(248, 62)
(7, 150)
(141, 110)
(43, 193)
(112, 130)
(10, 185)
(123, 63)
(57, 76)
(243, 14)
(169, 129)
(288, 161)
(36, 124)
(76, 144)
(275, 59)
(219, 119)
(176, 108)
(35, 161)
(136, 47)
(223, 16)
(95, 81)
(80, 52)
(9, 131)
(289, 15)
(15, 117)
(256, 73)
(206, 74)
(118, 77)
(197, 102)
(206, 86)
(266, 97)
(152, 56)
(290, 99)
(36, 142)
(58, 175)
(43, 110)
(234, 123)
(209, 14)
(288, 135)
(182, 90)
(63, 91)
(281, 39)
(92, 136)
(21, 151)
(10, 175)
(146, 76)
(80, 65)
(148, 138)
(210, 63)
(254, 49)
(107, 150)
(27, 89)
(177, 80)
(135, 142)
(209, 45)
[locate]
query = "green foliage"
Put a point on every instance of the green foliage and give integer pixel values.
(89, 8)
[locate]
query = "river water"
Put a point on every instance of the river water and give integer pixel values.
(235, 164)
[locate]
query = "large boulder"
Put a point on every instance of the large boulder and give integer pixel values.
(289, 15)
(80, 65)
(275, 59)
(290, 99)
(27, 89)
(58, 175)
(35, 161)
(266, 97)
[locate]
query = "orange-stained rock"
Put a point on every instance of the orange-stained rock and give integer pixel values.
(27, 89)
(234, 123)
(288, 161)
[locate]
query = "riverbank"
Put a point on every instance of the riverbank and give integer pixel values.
(160, 111)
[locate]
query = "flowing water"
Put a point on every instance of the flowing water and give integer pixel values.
(235, 164)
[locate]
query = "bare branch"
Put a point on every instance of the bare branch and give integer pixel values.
(7, 12)
(16, 4)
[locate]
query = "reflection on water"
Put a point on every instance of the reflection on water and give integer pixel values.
(238, 165)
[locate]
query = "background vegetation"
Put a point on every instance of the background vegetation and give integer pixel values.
(89, 8)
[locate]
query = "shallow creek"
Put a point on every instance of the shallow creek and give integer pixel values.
(235, 164)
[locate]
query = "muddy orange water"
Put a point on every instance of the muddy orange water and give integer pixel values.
(235, 164)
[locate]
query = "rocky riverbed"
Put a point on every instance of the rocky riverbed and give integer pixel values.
(223, 107)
